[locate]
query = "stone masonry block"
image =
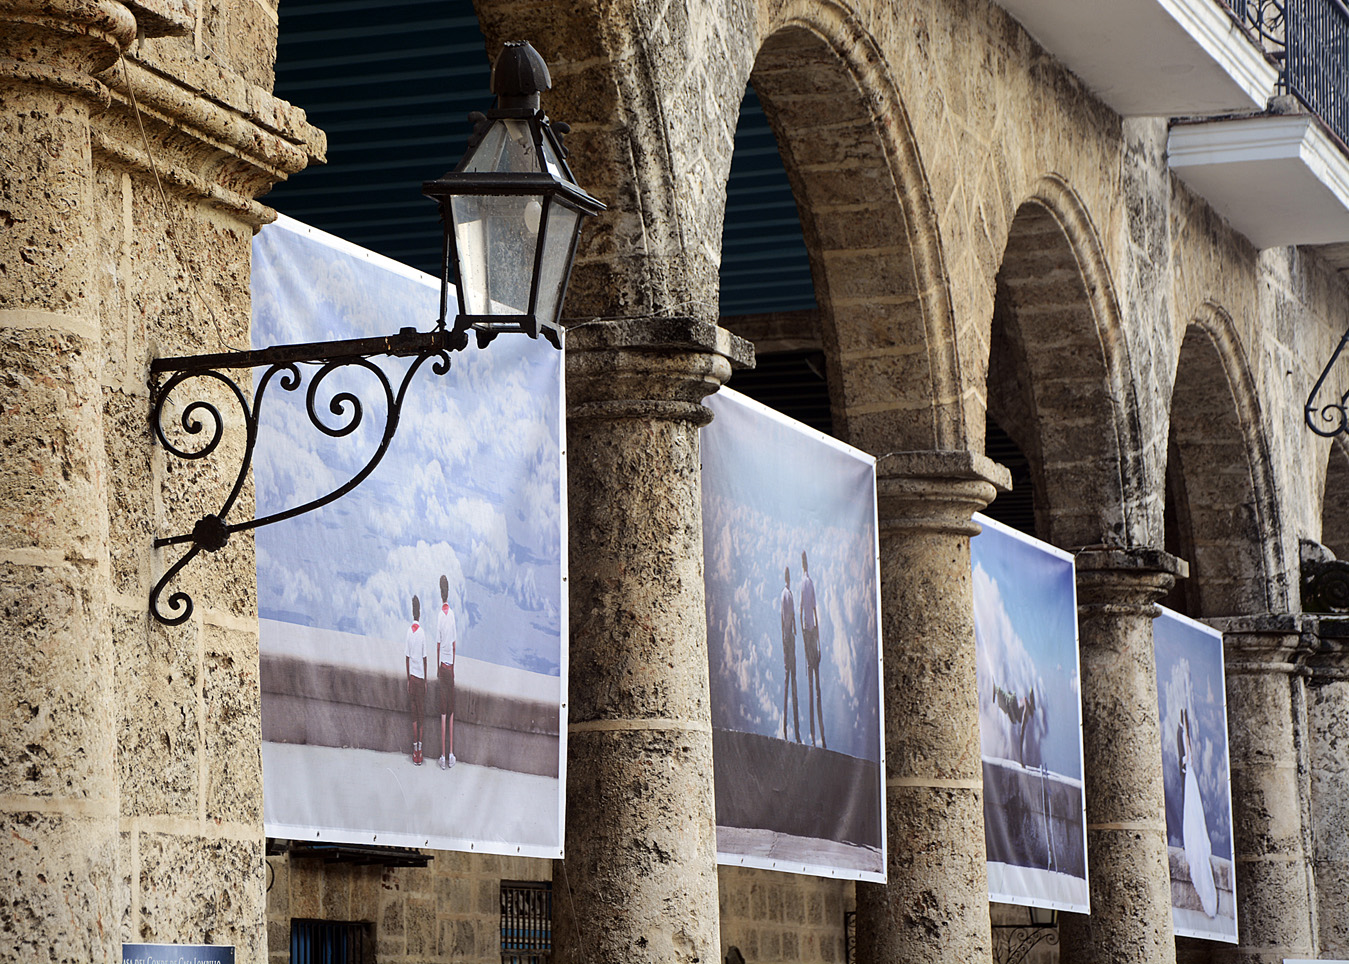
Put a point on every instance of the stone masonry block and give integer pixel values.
(335, 896)
(57, 740)
(306, 888)
(195, 890)
(157, 737)
(52, 476)
(421, 927)
(278, 894)
(232, 725)
(61, 895)
(131, 502)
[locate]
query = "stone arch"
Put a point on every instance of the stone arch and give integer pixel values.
(1059, 378)
(1335, 501)
(870, 228)
(1222, 517)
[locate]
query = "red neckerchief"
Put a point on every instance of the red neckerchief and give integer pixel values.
(414, 627)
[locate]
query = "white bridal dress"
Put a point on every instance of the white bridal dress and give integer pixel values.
(1198, 850)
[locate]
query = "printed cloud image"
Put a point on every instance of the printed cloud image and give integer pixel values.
(789, 542)
(412, 631)
(1192, 707)
(1030, 719)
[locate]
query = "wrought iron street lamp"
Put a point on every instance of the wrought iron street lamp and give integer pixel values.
(511, 210)
(511, 214)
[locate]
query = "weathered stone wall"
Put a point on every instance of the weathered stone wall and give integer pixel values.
(940, 157)
(132, 789)
(774, 917)
(449, 910)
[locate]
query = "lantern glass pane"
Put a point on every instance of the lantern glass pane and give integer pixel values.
(559, 238)
(506, 148)
(495, 240)
(551, 163)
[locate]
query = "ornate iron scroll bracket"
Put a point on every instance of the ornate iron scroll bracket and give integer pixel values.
(1332, 418)
(1012, 943)
(201, 419)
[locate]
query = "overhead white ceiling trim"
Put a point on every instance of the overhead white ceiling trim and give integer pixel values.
(1220, 37)
(1164, 58)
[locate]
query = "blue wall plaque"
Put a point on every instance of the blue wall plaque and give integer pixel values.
(177, 954)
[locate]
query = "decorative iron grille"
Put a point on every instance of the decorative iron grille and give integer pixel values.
(331, 942)
(526, 922)
(1264, 21)
(850, 936)
(1317, 66)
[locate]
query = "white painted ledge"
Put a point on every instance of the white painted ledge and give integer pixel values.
(1157, 58)
(1280, 180)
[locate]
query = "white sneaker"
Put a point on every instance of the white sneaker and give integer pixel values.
(442, 762)
(450, 761)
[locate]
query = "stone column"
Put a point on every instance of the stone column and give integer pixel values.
(639, 882)
(1328, 730)
(1130, 883)
(61, 895)
(1271, 796)
(935, 905)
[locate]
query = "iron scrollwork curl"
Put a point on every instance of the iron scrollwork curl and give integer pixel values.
(1332, 418)
(1013, 944)
(202, 418)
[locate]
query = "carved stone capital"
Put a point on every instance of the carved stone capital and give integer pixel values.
(1125, 581)
(936, 491)
(1266, 642)
(57, 41)
(200, 129)
(649, 368)
(1330, 657)
(223, 151)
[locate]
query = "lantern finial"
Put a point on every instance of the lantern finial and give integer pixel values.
(519, 76)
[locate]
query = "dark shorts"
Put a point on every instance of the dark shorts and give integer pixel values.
(789, 653)
(811, 639)
(417, 697)
(445, 686)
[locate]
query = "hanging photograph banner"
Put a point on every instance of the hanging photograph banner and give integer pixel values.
(1192, 707)
(1030, 720)
(793, 637)
(413, 647)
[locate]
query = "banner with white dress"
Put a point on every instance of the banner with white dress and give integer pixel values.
(1030, 719)
(1192, 706)
(413, 632)
(791, 565)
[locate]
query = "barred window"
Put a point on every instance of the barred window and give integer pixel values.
(526, 922)
(331, 942)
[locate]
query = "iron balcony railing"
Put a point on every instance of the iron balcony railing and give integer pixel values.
(1317, 66)
(1309, 40)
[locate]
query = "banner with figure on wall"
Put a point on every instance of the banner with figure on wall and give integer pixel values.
(413, 647)
(1030, 719)
(1192, 707)
(793, 637)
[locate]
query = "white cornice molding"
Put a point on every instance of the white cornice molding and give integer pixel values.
(1278, 178)
(1266, 138)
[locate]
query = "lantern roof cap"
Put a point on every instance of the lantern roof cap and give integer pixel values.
(519, 72)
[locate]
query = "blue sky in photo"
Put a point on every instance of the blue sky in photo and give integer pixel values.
(771, 490)
(1190, 672)
(1025, 619)
(470, 486)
